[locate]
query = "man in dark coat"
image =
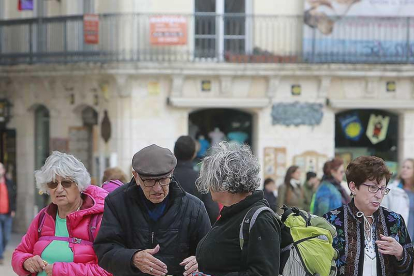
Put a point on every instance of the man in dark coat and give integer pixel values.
(151, 226)
(185, 151)
(7, 209)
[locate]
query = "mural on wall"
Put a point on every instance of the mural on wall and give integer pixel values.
(296, 114)
(338, 30)
(275, 164)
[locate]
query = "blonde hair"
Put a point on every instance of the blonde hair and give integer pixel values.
(114, 173)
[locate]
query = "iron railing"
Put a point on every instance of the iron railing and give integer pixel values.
(209, 37)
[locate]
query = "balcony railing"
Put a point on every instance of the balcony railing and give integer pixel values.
(207, 37)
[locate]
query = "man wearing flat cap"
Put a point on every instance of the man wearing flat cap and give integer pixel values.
(151, 226)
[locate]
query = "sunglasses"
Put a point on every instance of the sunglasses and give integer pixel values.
(66, 183)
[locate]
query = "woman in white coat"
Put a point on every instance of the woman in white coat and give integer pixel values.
(401, 196)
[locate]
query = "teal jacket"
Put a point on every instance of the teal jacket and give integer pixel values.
(326, 198)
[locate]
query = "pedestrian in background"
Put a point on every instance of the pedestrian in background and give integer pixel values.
(270, 193)
(401, 196)
(371, 240)
(59, 239)
(309, 188)
(290, 193)
(113, 178)
(7, 210)
(231, 173)
(330, 194)
(184, 173)
(151, 226)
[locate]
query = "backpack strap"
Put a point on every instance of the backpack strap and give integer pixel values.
(66, 239)
(93, 225)
(41, 221)
(248, 222)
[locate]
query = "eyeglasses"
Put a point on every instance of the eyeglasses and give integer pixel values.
(66, 183)
(151, 182)
(374, 189)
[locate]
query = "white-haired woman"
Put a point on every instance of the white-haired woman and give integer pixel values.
(231, 173)
(59, 239)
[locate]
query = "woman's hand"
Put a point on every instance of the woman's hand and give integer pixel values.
(49, 269)
(34, 264)
(390, 246)
(190, 265)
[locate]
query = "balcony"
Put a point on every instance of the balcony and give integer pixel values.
(206, 37)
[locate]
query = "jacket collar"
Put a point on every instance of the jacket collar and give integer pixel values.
(187, 164)
(242, 205)
(353, 210)
(175, 191)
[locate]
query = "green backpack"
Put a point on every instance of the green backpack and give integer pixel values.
(306, 248)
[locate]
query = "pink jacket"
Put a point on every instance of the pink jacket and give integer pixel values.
(85, 262)
(111, 185)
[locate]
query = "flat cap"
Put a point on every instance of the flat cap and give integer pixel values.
(154, 162)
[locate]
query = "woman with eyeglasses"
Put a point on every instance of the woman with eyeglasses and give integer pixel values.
(371, 239)
(60, 238)
(330, 193)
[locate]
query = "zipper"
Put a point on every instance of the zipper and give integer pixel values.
(201, 243)
(152, 238)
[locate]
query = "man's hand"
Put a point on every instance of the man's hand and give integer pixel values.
(49, 269)
(190, 264)
(147, 263)
(34, 264)
(12, 214)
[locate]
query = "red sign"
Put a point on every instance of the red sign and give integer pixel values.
(91, 28)
(168, 30)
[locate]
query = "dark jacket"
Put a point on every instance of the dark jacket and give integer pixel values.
(126, 229)
(350, 241)
(219, 253)
(11, 192)
(187, 176)
(270, 197)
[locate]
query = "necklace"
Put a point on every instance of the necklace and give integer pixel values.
(367, 225)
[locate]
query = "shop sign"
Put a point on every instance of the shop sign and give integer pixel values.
(296, 90)
(91, 28)
(352, 127)
(168, 30)
(377, 128)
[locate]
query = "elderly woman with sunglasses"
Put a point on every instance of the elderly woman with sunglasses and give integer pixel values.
(371, 239)
(59, 240)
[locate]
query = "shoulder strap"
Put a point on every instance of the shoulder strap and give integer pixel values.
(93, 224)
(248, 222)
(40, 222)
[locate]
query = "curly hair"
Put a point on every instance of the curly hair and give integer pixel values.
(366, 168)
(229, 167)
(64, 165)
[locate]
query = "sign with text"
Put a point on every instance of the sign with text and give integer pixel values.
(91, 28)
(168, 30)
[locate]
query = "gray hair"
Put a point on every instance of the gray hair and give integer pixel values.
(64, 165)
(229, 167)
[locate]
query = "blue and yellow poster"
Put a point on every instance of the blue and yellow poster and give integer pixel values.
(352, 127)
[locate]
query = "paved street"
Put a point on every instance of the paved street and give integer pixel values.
(6, 268)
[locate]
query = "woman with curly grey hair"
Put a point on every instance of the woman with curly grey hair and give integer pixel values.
(231, 173)
(59, 239)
